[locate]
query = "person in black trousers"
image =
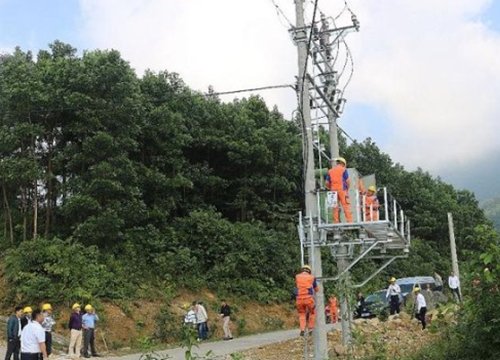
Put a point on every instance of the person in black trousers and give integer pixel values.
(14, 334)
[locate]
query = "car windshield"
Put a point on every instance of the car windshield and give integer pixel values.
(377, 297)
(406, 288)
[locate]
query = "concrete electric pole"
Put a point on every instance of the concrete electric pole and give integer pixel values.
(311, 209)
(342, 251)
(453, 246)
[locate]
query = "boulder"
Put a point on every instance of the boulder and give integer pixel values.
(339, 350)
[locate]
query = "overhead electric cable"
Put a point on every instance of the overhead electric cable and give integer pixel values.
(252, 89)
(281, 14)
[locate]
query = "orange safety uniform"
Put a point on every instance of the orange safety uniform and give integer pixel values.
(306, 286)
(338, 181)
(371, 208)
(333, 309)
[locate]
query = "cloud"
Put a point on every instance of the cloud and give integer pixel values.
(430, 66)
(6, 49)
(225, 43)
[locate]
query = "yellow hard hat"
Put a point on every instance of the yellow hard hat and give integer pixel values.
(392, 279)
(88, 307)
(28, 310)
(372, 188)
(307, 268)
(75, 306)
(417, 289)
(46, 307)
(342, 160)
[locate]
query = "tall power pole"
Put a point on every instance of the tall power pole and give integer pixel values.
(342, 262)
(301, 38)
(453, 246)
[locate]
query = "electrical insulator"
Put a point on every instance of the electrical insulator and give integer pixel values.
(340, 105)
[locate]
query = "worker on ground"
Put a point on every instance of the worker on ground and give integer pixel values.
(360, 304)
(33, 339)
(371, 204)
(201, 321)
(429, 297)
(438, 280)
(75, 328)
(338, 180)
(454, 284)
(393, 294)
(27, 311)
(48, 324)
(334, 310)
(14, 334)
(225, 315)
(190, 317)
(305, 288)
(421, 307)
(89, 321)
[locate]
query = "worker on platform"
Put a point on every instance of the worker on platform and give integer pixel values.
(338, 180)
(334, 310)
(305, 288)
(393, 294)
(371, 204)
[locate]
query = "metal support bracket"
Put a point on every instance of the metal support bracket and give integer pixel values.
(386, 264)
(354, 262)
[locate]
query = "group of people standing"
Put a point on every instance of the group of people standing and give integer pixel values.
(197, 317)
(29, 332)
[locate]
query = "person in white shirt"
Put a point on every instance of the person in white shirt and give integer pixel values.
(33, 339)
(190, 317)
(454, 284)
(421, 307)
(393, 293)
(201, 320)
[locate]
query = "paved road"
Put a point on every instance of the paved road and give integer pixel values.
(219, 348)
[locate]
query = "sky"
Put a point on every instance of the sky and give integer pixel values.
(426, 73)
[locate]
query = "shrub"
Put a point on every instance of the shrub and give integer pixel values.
(58, 270)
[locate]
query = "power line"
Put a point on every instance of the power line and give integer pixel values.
(252, 89)
(281, 14)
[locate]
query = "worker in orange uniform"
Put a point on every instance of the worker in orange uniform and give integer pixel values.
(333, 309)
(371, 204)
(305, 288)
(338, 180)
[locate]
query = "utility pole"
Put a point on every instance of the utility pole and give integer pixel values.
(453, 246)
(301, 38)
(332, 116)
(342, 251)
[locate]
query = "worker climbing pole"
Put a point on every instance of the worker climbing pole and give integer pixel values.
(305, 288)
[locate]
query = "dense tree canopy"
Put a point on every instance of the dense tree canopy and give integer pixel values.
(165, 185)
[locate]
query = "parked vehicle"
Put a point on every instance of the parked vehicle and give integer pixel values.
(374, 304)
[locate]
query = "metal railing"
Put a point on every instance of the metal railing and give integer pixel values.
(385, 209)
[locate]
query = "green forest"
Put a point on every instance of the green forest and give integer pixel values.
(114, 184)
